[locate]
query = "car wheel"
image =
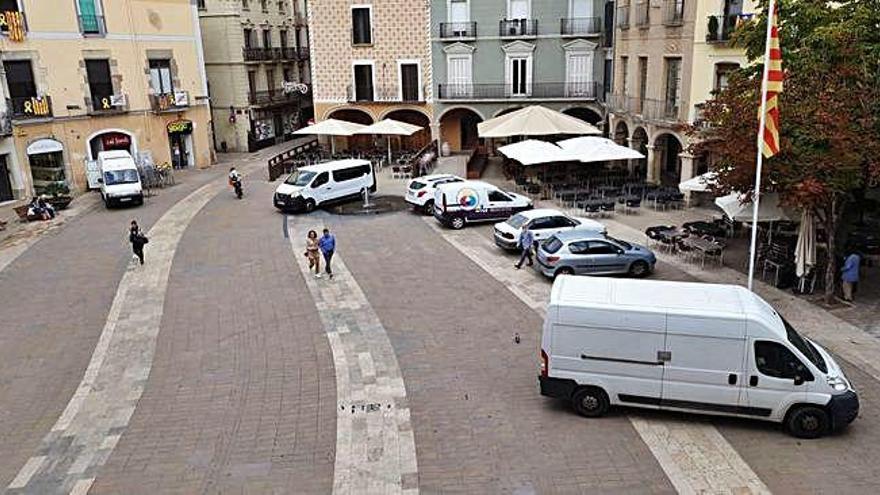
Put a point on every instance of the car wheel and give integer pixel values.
(591, 402)
(457, 223)
(565, 270)
(808, 422)
(428, 208)
(310, 205)
(639, 269)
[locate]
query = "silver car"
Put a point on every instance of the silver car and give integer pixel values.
(583, 253)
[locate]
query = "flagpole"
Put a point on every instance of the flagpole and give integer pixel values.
(760, 140)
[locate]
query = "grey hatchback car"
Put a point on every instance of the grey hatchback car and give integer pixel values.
(585, 253)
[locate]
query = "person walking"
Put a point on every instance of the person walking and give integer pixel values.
(137, 240)
(526, 239)
(313, 253)
(850, 274)
(327, 243)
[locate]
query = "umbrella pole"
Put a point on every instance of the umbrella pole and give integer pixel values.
(389, 150)
(332, 145)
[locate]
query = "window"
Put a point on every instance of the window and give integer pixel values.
(252, 83)
(804, 346)
(363, 82)
(248, 35)
(160, 76)
(624, 75)
(322, 179)
(285, 73)
(518, 9)
(200, 4)
(673, 86)
(361, 25)
(607, 78)
(519, 76)
(498, 196)
(9, 6)
(352, 173)
(552, 245)
(264, 5)
(722, 73)
(270, 81)
(643, 79)
(459, 11)
(91, 20)
(20, 79)
(774, 359)
(579, 73)
(245, 5)
(599, 247)
(281, 6)
(458, 70)
(579, 247)
(100, 83)
(267, 38)
(540, 223)
(282, 36)
(409, 82)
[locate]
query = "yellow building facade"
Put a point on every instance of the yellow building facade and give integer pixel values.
(84, 76)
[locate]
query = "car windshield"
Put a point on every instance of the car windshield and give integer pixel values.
(300, 178)
(623, 244)
(127, 176)
(416, 185)
(805, 346)
(551, 245)
(516, 221)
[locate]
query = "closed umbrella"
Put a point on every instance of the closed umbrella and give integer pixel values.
(805, 250)
(534, 121)
(332, 127)
(390, 127)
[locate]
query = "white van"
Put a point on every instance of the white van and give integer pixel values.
(459, 203)
(710, 349)
(315, 185)
(120, 180)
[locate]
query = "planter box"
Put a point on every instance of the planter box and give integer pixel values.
(60, 202)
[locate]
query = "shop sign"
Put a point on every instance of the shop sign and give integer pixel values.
(116, 140)
(292, 87)
(180, 127)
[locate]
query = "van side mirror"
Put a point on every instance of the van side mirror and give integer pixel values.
(798, 380)
(100, 180)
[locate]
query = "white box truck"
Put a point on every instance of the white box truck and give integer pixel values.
(709, 349)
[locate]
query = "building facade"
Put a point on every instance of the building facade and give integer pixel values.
(371, 60)
(83, 76)
(257, 63)
(669, 56)
(494, 56)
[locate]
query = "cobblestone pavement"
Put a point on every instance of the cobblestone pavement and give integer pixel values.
(480, 425)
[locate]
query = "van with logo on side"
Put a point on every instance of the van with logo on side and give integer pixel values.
(459, 203)
(315, 185)
(681, 346)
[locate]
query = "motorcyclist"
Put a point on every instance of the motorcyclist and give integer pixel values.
(235, 181)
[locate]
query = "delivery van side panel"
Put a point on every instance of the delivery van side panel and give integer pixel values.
(613, 350)
(770, 387)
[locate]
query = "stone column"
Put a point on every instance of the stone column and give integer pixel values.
(687, 172)
(631, 164)
(653, 172)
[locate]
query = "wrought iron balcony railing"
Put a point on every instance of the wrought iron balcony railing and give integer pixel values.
(169, 102)
(393, 94)
(518, 28)
(647, 108)
(91, 24)
(30, 107)
(580, 26)
(501, 91)
(458, 30)
(719, 28)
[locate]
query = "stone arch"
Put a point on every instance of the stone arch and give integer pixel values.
(356, 115)
(461, 107)
(385, 113)
(587, 114)
(507, 110)
(621, 133)
(667, 148)
(458, 127)
(414, 117)
(93, 147)
(639, 142)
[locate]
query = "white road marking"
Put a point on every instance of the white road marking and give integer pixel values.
(375, 445)
(696, 458)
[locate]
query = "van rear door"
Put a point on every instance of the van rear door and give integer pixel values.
(706, 362)
(616, 350)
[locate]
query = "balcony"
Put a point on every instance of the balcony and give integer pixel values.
(303, 53)
(458, 30)
(386, 94)
(623, 17)
(255, 54)
(674, 13)
(299, 19)
(501, 91)
(275, 97)
(580, 26)
(110, 104)
(643, 15)
(169, 102)
(518, 28)
(646, 108)
(13, 25)
(720, 28)
(30, 107)
(92, 25)
(5, 121)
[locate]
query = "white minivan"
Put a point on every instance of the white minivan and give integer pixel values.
(120, 180)
(457, 204)
(709, 349)
(315, 185)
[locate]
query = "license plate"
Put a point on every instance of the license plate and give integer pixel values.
(124, 199)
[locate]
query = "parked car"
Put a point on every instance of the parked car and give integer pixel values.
(457, 204)
(681, 346)
(420, 191)
(577, 252)
(315, 185)
(120, 180)
(543, 223)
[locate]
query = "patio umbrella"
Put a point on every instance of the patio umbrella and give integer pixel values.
(768, 210)
(598, 149)
(534, 152)
(390, 127)
(534, 121)
(805, 250)
(700, 183)
(332, 127)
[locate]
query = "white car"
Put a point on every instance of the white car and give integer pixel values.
(420, 191)
(543, 223)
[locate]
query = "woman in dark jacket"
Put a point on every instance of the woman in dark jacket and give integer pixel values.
(137, 241)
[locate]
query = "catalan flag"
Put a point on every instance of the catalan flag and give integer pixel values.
(773, 86)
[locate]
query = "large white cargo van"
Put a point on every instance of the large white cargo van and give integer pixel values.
(120, 180)
(711, 349)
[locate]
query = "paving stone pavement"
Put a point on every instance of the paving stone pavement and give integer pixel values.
(480, 425)
(375, 447)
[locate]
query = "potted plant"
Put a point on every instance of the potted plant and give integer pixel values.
(59, 195)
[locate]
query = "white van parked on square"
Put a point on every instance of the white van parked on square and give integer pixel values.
(315, 185)
(709, 349)
(120, 180)
(457, 204)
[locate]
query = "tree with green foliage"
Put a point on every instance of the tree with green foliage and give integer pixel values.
(829, 112)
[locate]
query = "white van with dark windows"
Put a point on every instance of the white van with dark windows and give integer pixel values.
(120, 180)
(315, 185)
(709, 349)
(457, 204)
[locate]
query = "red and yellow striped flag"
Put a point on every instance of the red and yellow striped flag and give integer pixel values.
(774, 87)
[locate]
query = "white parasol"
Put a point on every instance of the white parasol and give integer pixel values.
(534, 121)
(332, 127)
(390, 127)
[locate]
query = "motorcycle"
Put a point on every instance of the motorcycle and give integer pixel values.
(236, 184)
